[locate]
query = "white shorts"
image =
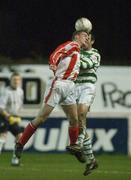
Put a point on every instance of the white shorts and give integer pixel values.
(85, 93)
(60, 92)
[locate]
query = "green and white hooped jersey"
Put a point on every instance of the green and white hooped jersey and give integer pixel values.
(90, 61)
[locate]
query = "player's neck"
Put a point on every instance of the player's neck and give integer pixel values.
(13, 88)
(90, 47)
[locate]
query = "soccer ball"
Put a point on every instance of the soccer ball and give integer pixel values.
(83, 24)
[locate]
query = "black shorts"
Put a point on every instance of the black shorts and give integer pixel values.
(15, 129)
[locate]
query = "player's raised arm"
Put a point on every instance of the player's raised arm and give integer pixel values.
(89, 62)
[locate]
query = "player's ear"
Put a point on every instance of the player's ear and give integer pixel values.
(92, 42)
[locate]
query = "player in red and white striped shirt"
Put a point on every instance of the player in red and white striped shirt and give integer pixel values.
(65, 63)
(65, 60)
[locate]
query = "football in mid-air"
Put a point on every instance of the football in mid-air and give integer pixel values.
(83, 24)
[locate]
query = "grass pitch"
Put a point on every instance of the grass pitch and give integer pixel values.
(63, 167)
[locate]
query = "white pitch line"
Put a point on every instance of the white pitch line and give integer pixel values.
(102, 171)
(113, 172)
(74, 170)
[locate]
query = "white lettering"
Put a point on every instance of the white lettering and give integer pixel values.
(104, 139)
(63, 136)
(39, 144)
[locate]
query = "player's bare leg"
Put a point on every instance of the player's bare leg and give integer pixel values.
(71, 113)
(31, 128)
(82, 110)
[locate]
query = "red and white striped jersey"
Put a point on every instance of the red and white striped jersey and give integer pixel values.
(66, 58)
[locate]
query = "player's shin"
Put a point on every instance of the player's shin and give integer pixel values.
(91, 162)
(31, 127)
(87, 150)
(81, 136)
(73, 148)
(28, 132)
(73, 134)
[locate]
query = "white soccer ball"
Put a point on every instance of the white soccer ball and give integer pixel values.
(83, 24)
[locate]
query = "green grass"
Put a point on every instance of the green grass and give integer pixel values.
(63, 167)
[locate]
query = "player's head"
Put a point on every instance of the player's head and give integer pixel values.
(90, 41)
(15, 80)
(81, 37)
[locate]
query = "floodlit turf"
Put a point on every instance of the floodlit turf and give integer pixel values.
(63, 167)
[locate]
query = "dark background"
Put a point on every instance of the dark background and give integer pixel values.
(34, 28)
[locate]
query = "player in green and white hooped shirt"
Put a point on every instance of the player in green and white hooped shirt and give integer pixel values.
(85, 93)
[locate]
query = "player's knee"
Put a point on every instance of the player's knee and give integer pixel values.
(38, 120)
(82, 116)
(73, 121)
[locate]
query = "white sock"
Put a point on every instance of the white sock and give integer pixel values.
(87, 150)
(2, 142)
(81, 137)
